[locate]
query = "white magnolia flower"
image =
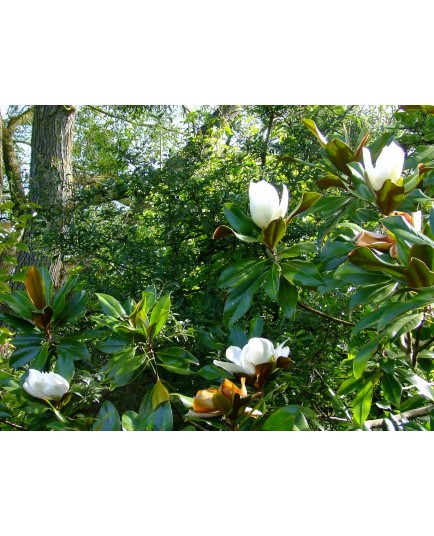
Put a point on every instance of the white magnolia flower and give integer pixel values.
(45, 385)
(388, 166)
(264, 203)
(256, 352)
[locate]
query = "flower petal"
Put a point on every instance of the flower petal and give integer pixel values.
(264, 203)
(234, 368)
(258, 351)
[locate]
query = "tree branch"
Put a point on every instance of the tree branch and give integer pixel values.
(325, 315)
(407, 415)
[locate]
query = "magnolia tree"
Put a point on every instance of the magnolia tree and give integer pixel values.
(375, 243)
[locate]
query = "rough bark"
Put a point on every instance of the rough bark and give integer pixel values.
(11, 163)
(50, 180)
(1, 156)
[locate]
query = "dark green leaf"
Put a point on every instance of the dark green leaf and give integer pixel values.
(274, 233)
(365, 353)
(306, 202)
(240, 223)
(177, 357)
(362, 403)
(107, 419)
(212, 372)
(389, 197)
(74, 308)
(368, 260)
(302, 273)
(241, 272)
(392, 389)
(272, 282)
(340, 155)
(287, 297)
(110, 306)
(239, 300)
(22, 356)
(65, 366)
(159, 315)
(284, 418)
(112, 345)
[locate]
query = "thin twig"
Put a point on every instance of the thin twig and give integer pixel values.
(9, 423)
(325, 315)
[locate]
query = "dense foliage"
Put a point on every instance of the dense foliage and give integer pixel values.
(197, 295)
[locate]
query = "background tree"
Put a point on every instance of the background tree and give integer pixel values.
(49, 184)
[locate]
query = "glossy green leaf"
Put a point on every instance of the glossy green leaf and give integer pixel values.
(389, 197)
(108, 419)
(28, 339)
(315, 131)
(284, 418)
(330, 181)
(307, 201)
(404, 324)
(329, 206)
(356, 275)
(421, 385)
(365, 353)
(239, 300)
(76, 349)
(73, 308)
(256, 327)
(60, 297)
(112, 345)
(418, 274)
(19, 302)
(302, 273)
(159, 395)
(162, 419)
(212, 372)
(302, 248)
(287, 297)
(241, 272)
(274, 233)
(394, 310)
(272, 282)
(65, 366)
(368, 260)
(123, 366)
(372, 294)
(110, 306)
(22, 356)
(350, 385)
(223, 231)
(159, 315)
(182, 371)
(239, 222)
(392, 389)
(362, 403)
(340, 155)
(176, 357)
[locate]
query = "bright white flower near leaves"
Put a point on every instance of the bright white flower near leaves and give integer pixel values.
(388, 166)
(256, 352)
(264, 203)
(45, 385)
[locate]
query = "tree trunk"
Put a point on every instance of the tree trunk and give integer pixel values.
(1, 158)
(50, 180)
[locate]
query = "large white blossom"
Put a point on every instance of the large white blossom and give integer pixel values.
(45, 385)
(264, 203)
(389, 165)
(256, 352)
